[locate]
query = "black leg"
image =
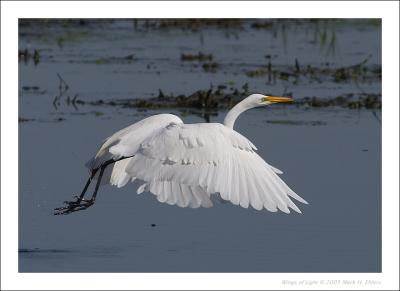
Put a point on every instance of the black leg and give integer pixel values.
(86, 203)
(87, 184)
(81, 203)
(98, 183)
(72, 205)
(80, 198)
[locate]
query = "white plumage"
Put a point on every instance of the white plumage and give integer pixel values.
(184, 164)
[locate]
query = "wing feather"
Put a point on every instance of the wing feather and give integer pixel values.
(124, 143)
(171, 194)
(193, 161)
(242, 190)
(178, 194)
(262, 188)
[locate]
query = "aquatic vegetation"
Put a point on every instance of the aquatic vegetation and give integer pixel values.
(238, 74)
(44, 251)
(193, 24)
(110, 60)
(30, 88)
(128, 59)
(210, 67)
(256, 73)
(70, 37)
(266, 24)
(63, 88)
(297, 122)
(325, 35)
(196, 57)
(358, 72)
(218, 99)
(364, 100)
(22, 119)
(25, 56)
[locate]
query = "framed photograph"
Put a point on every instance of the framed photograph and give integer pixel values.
(256, 141)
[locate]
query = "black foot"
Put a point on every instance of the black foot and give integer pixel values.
(72, 206)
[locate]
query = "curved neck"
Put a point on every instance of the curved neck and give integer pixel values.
(231, 116)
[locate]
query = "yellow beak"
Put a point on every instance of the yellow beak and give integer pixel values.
(277, 99)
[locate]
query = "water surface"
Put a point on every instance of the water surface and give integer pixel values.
(330, 156)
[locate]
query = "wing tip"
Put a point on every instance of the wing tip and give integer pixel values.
(276, 170)
(303, 201)
(297, 210)
(294, 195)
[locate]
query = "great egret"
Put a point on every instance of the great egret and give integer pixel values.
(183, 164)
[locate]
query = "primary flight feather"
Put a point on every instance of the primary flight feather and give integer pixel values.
(184, 164)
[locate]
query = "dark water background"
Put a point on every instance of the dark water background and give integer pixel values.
(330, 156)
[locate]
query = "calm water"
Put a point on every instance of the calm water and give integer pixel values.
(331, 156)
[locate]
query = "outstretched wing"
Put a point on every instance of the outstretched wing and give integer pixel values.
(124, 143)
(213, 157)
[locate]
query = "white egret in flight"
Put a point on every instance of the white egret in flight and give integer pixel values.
(184, 164)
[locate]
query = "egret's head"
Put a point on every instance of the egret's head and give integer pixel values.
(262, 100)
(254, 100)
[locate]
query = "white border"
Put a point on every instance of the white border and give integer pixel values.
(11, 11)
